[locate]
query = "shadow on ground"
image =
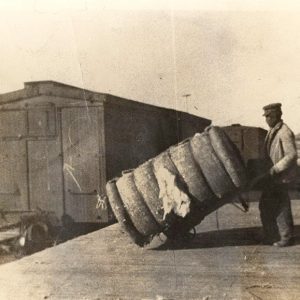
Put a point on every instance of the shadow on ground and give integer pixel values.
(222, 238)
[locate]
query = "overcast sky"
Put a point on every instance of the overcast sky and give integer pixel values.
(231, 57)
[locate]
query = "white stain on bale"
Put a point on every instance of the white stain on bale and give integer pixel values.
(173, 198)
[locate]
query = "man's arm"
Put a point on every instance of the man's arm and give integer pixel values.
(287, 140)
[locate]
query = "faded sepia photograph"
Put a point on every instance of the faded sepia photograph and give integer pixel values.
(149, 149)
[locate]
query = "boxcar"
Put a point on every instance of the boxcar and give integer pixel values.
(59, 145)
(250, 143)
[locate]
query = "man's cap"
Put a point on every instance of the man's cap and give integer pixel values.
(271, 108)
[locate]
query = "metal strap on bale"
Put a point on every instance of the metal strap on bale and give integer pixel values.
(121, 213)
(228, 155)
(212, 168)
(135, 205)
(147, 185)
(190, 172)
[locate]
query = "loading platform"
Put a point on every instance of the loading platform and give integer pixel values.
(223, 261)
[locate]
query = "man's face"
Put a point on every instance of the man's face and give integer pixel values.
(272, 119)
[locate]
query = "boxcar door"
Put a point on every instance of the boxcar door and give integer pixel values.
(44, 160)
(81, 156)
(13, 161)
(45, 176)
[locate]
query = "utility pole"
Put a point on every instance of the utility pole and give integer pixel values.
(186, 96)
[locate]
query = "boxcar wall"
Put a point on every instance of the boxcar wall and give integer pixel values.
(50, 149)
(250, 143)
(136, 132)
(59, 145)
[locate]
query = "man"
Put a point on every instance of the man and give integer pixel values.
(281, 157)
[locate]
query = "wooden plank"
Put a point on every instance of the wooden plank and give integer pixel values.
(45, 175)
(13, 179)
(13, 123)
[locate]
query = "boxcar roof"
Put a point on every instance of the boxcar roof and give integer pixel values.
(239, 126)
(48, 88)
(57, 89)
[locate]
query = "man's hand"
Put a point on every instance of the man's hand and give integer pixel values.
(272, 172)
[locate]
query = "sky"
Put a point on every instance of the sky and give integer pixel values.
(222, 60)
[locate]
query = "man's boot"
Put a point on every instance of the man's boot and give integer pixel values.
(284, 243)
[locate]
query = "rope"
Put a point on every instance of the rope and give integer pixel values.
(238, 207)
(244, 203)
(217, 220)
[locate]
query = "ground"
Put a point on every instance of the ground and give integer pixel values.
(5, 258)
(223, 262)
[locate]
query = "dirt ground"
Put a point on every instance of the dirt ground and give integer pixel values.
(224, 261)
(9, 253)
(6, 258)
